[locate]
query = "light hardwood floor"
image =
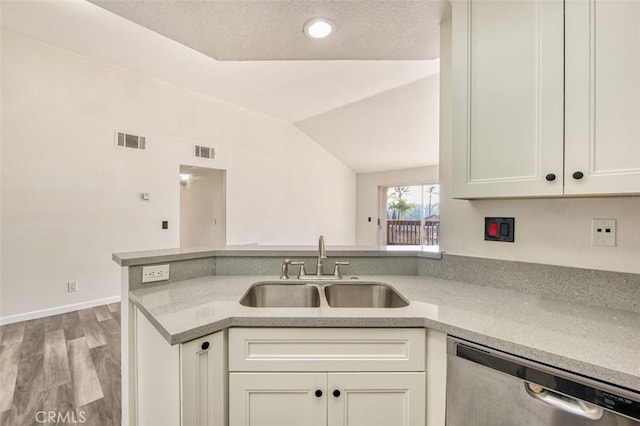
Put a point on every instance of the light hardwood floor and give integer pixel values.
(62, 369)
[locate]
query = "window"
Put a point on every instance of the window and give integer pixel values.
(412, 217)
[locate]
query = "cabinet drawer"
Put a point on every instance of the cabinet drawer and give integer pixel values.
(326, 349)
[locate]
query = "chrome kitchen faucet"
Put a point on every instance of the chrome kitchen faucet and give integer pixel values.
(319, 275)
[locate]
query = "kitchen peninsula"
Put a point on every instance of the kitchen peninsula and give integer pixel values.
(578, 320)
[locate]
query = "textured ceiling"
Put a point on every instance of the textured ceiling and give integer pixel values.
(357, 103)
(273, 30)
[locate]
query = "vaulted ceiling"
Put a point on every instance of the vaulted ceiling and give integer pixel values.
(376, 111)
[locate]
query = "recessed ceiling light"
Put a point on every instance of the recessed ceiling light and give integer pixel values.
(318, 28)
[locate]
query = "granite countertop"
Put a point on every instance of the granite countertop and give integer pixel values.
(254, 250)
(597, 342)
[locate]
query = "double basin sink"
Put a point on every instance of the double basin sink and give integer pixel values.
(276, 294)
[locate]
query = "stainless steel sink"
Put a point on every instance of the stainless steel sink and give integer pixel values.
(363, 295)
(278, 295)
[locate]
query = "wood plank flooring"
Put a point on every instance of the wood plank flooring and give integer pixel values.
(62, 369)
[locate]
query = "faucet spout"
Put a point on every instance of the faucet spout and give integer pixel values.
(322, 254)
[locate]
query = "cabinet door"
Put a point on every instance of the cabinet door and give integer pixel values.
(277, 399)
(377, 399)
(203, 381)
(507, 97)
(603, 96)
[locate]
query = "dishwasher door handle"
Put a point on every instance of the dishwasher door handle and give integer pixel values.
(564, 403)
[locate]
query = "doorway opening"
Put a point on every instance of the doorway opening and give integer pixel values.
(202, 207)
(410, 217)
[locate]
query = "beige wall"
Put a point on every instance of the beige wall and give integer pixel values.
(552, 231)
(70, 198)
(368, 185)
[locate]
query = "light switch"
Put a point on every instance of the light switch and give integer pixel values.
(493, 229)
(499, 229)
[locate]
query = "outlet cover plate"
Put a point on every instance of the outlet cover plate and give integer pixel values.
(155, 273)
(603, 232)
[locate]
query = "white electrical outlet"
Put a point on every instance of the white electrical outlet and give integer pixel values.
(603, 232)
(155, 273)
(72, 286)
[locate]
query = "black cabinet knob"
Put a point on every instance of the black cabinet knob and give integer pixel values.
(205, 346)
(550, 177)
(336, 393)
(577, 175)
(318, 393)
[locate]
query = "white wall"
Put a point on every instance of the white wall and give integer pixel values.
(552, 231)
(202, 208)
(368, 185)
(364, 133)
(70, 198)
(1, 186)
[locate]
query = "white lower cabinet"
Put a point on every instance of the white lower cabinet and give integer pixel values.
(282, 399)
(321, 399)
(376, 399)
(204, 381)
(290, 376)
(157, 377)
(183, 384)
(281, 377)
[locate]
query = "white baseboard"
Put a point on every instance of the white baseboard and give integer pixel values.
(10, 319)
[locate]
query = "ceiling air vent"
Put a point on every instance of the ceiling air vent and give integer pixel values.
(202, 151)
(127, 140)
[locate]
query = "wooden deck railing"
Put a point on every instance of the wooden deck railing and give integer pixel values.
(407, 232)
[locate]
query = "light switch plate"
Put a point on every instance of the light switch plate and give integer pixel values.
(504, 229)
(155, 273)
(603, 232)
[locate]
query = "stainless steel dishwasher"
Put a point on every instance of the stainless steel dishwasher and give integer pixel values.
(486, 387)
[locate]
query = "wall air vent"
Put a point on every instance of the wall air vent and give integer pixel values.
(202, 151)
(127, 140)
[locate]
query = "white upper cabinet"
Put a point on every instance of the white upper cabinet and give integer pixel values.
(518, 129)
(508, 97)
(602, 96)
